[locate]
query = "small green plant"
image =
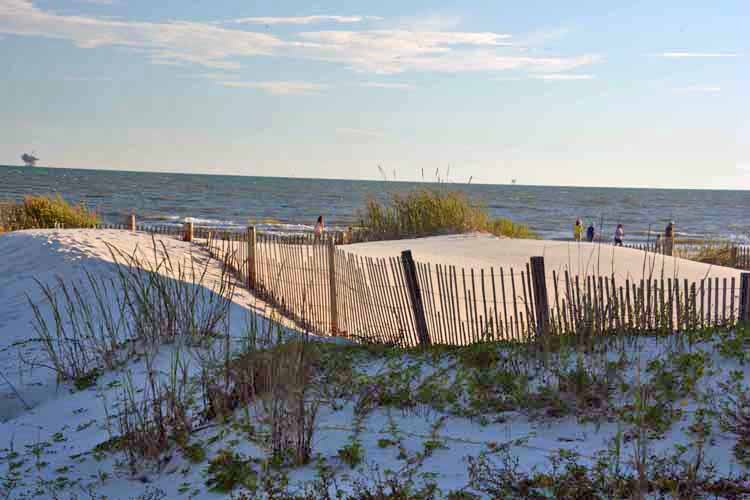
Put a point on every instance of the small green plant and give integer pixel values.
(734, 343)
(734, 415)
(227, 470)
(386, 443)
(87, 380)
(678, 375)
(195, 452)
(352, 454)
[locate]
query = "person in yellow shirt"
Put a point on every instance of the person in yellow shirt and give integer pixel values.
(578, 230)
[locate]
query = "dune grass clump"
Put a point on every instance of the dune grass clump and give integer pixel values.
(431, 212)
(506, 227)
(93, 324)
(718, 255)
(39, 212)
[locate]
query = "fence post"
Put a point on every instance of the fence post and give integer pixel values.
(734, 256)
(131, 221)
(541, 304)
(415, 294)
(251, 257)
(189, 231)
(332, 286)
(744, 297)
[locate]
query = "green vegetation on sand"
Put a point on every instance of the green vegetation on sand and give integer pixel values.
(431, 212)
(38, 212)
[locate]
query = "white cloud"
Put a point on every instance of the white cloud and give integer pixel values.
(563, 77)
(407, 39)
(397, 51)
(708, 90)
(540, 37)
(212, 76)
(97, 2)
(277, 87)
(389, 85)
(685, 55)
(87, 78)
(220, 47)
(432, 22)
(361, 132)
(197, 43)
(304, 20)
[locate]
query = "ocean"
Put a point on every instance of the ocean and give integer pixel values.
(293, 204)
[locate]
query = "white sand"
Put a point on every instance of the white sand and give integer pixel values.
(71, 423)
(45, 255)
(483, 251)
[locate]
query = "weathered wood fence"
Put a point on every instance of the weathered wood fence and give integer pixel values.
(396, 300)
(735, 255)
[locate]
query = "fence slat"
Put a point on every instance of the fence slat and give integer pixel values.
(540, 297)
(515, 305)
(499, 333)
(744, 297)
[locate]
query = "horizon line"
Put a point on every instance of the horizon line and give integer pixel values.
(402, 181)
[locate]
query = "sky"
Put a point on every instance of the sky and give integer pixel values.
(588, 93)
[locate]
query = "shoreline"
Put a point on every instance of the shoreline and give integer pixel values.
(237, 202)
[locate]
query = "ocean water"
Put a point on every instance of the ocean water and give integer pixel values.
(293, 204)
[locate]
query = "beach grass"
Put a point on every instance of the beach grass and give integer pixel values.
(210, 395)
(431, 212)
(39, 212)
(718, 255)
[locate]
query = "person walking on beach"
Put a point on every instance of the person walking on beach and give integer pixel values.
(319, 228)
(591, 233)
(619, 235)
(669, 234)
(578, 230)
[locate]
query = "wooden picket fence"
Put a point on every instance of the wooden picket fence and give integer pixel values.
(327, 290)
(395, 300)
(186, 231)
(330, 291)
(739, 255)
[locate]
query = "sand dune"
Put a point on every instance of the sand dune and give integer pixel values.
(483, 251)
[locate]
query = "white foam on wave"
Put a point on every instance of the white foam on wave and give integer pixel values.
(282, 227)
(175, 220)
(209, 222)
(268, 227)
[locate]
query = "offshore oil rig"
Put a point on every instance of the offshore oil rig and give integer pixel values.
(29, 159)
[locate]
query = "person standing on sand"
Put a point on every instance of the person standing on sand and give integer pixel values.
(591, 233)
(578, 230)
(619, 235)
(319, 228)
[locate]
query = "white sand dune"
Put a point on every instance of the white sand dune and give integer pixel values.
(71, 423)
(479, 250)
(43, 256)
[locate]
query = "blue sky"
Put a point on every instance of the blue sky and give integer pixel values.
(650, 94)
